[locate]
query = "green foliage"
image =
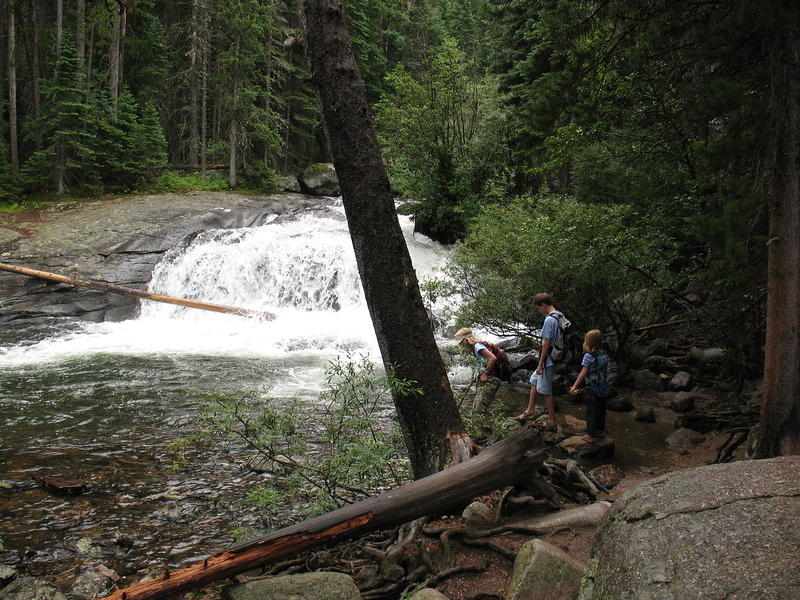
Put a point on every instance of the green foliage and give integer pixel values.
(441, 134)
(356, 453)
(170, 181)
(606, 266)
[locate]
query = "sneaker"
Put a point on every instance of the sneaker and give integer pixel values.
(587, 438)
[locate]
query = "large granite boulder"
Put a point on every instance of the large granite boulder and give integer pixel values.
(320, 179)
(722, 531)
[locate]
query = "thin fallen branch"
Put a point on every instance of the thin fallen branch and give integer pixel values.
(123, 291)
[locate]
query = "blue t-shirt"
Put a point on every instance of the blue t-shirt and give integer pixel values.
(549, 330)
(588, 359)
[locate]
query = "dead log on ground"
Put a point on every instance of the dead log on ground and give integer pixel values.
(103, 286)
(509, 462)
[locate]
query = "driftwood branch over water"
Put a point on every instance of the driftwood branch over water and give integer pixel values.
(116, 289)
(507, 463)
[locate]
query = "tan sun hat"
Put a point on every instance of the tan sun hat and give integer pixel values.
(463, 331)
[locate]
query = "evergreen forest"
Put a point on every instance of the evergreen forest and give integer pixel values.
(616, 153)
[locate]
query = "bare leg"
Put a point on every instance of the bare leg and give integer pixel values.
(551, 410)
(531, 404)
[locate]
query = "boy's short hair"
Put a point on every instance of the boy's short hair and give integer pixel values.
(543, 298)
(592, 340)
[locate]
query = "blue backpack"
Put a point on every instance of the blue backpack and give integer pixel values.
(603, 375)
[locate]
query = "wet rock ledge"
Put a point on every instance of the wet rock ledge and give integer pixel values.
(118, 241)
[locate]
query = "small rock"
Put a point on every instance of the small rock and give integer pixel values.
(87, 546)
(684, 438)
(289, 183)
(680, 381)
(449, 331)
(308, 586)
(30, 588)
(7, 575)
(682, 402)
(544, 572)
(428, 594)
(645, 380)
(94, 583)
(646, 414)
(574, 422)
(608, 476)
(708, 358)
(478, 516)
(602, 447)
(59, 484)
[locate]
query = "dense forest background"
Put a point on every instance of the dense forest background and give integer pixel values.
(613, 152)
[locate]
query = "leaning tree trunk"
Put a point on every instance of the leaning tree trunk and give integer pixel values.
(429, 418)
(779, 427)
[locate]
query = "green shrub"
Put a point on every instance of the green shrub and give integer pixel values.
(606, 266)
(356, 452)
(170, 181)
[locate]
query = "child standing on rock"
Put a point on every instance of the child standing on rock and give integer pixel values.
(596, 405)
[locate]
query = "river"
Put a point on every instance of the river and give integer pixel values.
(100, 402)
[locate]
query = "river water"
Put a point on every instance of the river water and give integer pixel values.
(100, 402)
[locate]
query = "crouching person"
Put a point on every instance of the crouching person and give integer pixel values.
(497, 368)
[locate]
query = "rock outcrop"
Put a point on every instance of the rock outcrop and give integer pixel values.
(119, 241)
(721, 531)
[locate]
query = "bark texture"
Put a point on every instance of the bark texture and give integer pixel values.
(430, 420)
(779, 428)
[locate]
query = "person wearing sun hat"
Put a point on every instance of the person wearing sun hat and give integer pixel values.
(492, 374)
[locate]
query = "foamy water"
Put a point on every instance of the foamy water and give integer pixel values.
(303, 271)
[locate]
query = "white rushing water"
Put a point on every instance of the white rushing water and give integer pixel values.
(303, 271)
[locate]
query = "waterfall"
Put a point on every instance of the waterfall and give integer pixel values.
(304, 271)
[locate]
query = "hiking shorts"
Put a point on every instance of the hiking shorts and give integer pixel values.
(543, 382)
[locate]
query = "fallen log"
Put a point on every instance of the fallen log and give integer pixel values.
(509, 462)
(116, 289)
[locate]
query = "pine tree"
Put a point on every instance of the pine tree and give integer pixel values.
(69, 153)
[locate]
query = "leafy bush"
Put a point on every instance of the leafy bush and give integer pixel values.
(359, 450)
(606, 266)
(262, 177)
(170, 181)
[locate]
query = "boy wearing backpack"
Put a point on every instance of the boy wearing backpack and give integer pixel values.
(595, 371)
(542, 379)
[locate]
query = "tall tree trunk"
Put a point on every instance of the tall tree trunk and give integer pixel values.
(429, 417)
(35, 73)
(194, 85)
(60, 167)
(204, 94)
(779, 428)
(115, 63)
(12, 92)
(232, 141)
(80, 31)
(59, 25)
